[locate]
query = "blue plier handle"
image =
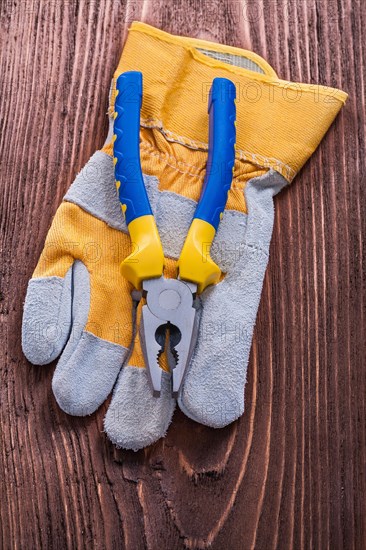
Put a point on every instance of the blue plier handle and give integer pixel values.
(195, 263)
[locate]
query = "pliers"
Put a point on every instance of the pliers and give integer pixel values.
(169, 308)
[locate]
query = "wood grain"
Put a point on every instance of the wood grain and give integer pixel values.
(291, 472)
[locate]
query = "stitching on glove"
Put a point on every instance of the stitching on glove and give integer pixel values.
(259, 160)
(59, 307)
(268, 162)
(105, 344)
(257, 249)
(153, 152)
(262, 162)
(153, 123)
(149, 148)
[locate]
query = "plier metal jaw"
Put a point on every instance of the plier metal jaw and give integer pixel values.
(169, 314)
(169, 317)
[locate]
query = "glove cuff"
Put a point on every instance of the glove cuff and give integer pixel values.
(279, 123)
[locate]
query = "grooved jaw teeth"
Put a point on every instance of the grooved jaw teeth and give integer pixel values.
(175, 354)
(151, 349)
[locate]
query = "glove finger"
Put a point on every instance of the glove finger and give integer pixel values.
(46, 318)
(89, 366)
(47, 309)
(135, 418)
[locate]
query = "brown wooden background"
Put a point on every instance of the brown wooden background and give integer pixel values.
(291, 472)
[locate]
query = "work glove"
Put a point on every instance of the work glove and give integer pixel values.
(79, 305)
(279, 125)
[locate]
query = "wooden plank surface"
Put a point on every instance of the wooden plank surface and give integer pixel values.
(291, 472)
